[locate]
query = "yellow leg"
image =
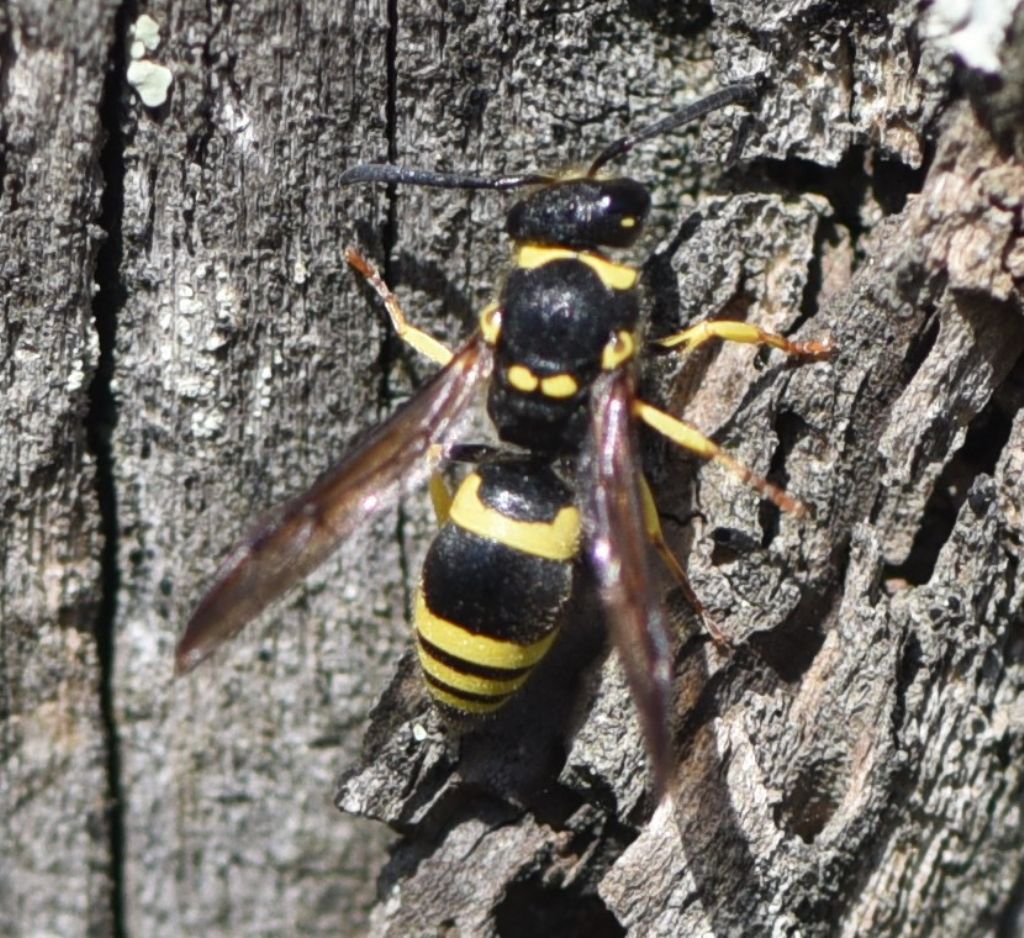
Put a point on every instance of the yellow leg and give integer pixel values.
(689, 437)
(729, 331)
(653, 525)
(440, 497)
(417, 338)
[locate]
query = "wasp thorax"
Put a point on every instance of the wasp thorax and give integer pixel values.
(582, 213)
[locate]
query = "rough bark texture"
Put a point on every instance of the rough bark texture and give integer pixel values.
(853, 765)
(56, 835)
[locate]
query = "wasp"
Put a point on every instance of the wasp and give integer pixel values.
(557, 353)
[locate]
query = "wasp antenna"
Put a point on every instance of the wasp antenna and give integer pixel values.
(402, 175)
(740, 93)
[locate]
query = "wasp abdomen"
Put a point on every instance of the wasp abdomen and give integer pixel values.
(495, 582)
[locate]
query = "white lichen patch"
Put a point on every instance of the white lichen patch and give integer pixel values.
(145, 34)
(150, 80)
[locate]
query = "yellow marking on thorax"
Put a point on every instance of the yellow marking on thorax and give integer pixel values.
(559, 386)
(614, 276)
(551, 540)
(620, 348)
(522, 379)
(479, 649)
(490, 323)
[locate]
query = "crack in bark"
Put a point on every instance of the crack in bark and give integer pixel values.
(100, 421)
(987, 435)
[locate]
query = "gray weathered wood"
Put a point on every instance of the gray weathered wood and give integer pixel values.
(247, 357)
(55, 875)
(852, 767)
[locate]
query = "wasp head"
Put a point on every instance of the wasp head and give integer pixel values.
(581, 213)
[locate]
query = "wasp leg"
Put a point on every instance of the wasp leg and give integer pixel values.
(730, 331)
(440, 497)
(423, 343)
(689, 437)
(653, 525)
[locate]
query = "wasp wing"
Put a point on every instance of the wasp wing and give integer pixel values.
(299, 535)
(618, 547)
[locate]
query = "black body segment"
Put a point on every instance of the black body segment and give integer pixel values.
(557, 319)
(495, 583)
(581, 213)
(491, 589)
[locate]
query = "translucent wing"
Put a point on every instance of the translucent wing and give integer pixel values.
(619, 553)
(299, 535)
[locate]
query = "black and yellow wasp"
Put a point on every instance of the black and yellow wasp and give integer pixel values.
(557, 352)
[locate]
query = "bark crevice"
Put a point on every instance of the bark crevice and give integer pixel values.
(100, 424)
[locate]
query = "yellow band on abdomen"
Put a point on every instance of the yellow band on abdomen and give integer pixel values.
(456, 702)
(468, 683)
(478, 649)
(551, 540)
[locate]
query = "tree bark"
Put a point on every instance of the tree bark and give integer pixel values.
(183, 347)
